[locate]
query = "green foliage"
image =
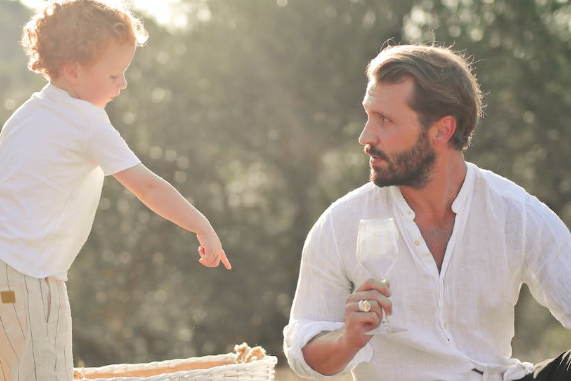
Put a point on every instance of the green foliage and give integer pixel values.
(16, 82)
(254, 113)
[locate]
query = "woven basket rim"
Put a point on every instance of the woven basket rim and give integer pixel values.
(162, 363)
(265, 364)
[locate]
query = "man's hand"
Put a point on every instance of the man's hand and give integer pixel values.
(330, 352)
(358, 323)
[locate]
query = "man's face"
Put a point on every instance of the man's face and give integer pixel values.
(399, 146)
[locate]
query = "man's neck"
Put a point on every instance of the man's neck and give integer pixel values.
(433, 204)
(434, 201)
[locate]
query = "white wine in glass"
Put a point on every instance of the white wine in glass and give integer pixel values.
(377, 251)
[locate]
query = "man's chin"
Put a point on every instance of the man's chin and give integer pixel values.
(379, 180)
(382, 181)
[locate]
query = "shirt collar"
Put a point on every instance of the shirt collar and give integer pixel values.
(53, 90)
(458, 205)
(461, 200)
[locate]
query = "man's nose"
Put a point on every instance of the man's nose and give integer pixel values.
(367, 137)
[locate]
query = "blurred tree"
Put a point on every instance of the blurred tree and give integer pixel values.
(15, 80)
(253, 111)
(262, 106)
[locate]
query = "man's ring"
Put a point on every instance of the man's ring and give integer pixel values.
(364, 305)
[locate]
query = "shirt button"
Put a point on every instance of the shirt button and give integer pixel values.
(417, 242)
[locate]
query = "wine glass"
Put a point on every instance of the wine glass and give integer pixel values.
(377, 251)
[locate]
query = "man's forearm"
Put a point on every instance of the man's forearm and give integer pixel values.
(328, 352)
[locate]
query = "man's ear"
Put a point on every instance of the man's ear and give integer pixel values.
(444, 129)
(71, 72)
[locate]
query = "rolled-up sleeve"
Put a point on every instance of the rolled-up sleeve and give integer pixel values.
(298, 333)
(319, 302)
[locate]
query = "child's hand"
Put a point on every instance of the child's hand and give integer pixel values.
(213, 260)
(212, 257)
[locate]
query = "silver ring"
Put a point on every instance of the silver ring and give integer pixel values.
(364, 305)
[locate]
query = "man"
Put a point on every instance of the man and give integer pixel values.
(467, 241)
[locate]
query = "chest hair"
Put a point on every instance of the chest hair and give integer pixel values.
(436, 234)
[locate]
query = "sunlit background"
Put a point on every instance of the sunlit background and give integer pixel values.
(251, 108)
(164, 12)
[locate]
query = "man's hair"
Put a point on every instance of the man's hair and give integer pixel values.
(444, 85)
(68, 31)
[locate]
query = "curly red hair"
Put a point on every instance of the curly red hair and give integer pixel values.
(66, 31)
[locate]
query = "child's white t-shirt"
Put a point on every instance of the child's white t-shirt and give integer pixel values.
(54, 153)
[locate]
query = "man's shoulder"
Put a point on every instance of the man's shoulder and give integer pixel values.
(499, 190)
(356, 195)
(498, 184)
(354, 200)
(343, 210)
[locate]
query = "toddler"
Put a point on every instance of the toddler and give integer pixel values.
(54, 153)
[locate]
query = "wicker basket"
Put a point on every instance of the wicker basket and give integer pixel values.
(217, 367)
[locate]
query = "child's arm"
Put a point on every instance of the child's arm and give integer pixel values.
(163, 199)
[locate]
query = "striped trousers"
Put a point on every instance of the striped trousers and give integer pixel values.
(35, 328)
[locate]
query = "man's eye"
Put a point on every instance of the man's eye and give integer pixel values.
(114, 77)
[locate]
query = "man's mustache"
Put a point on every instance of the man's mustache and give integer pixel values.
(372, 151)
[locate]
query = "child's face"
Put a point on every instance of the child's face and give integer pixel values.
(102, 81)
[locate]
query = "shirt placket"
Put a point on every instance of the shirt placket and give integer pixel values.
(422, 256)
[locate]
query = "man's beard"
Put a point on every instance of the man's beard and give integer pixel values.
(409, 168)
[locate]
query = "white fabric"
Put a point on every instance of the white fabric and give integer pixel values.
(54, 153)
(35, 328)
(457, 320)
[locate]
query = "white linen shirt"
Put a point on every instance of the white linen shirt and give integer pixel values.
(54, 153)
(458, 319)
